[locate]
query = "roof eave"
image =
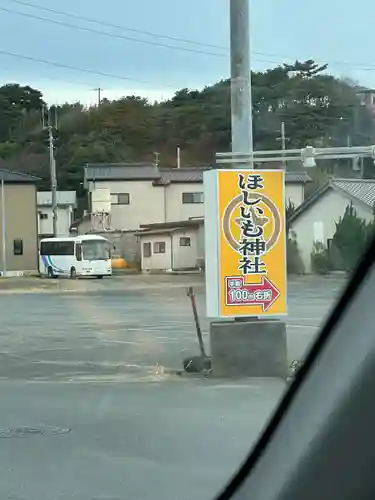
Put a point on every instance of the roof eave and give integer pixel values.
(121, 179)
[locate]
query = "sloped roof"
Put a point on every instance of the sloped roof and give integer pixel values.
(360, 190)
(169, 227)
(62, 198)
(162, 176)
(121, 171)
(192, 222)
(167, 230)
(189, 174)
(297, 177)
(17, 177)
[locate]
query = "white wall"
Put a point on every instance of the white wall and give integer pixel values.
(157, 261)
(325, 212)
(146, 203)
(64, 220)
(294, 193)
(152, 204)
(184, 257)
(176, 210)
(200, 243)
(175, 256)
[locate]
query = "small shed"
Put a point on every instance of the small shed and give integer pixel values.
(172, 246)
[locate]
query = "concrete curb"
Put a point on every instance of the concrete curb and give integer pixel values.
(85, 286)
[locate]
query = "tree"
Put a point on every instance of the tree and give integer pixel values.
(306, 69)
(351, 237)
(22, 98)
(317, 109)
(16, 102)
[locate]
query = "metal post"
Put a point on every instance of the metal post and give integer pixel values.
(241, 103)
(3, 230)
(99, 91)
(362, 167)
(53, 180)
(283, 140)
(178, 157)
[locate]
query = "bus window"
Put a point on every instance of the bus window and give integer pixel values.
(96, 250)
(57, 247)
(79, 252)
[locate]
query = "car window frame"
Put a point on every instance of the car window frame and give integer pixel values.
(342, 357)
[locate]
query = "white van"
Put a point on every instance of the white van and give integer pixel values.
(86, 255)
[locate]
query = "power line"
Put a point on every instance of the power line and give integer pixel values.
(119, 27)
(110, 35)
(364, 66)
(5, 70)
(77, 68)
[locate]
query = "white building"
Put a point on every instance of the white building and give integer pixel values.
(137, 194)
(66, 205)
(172, 246)
(315, 220)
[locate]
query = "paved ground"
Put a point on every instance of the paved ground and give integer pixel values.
(92, 357)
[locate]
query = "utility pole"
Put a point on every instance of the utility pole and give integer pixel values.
(99, 91)
(157, 158)
(52, 164)
(3, 231)
(283, 140)
(241, 102)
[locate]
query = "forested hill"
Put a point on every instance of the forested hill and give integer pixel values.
(317, 109)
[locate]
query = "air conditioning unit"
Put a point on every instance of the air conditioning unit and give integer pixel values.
(101, 200)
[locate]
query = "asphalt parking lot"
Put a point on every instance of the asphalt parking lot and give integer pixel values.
(94, 358)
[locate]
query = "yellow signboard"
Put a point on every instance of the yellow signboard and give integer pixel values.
(245, 243)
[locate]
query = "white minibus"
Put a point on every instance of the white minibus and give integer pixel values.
(85, 255)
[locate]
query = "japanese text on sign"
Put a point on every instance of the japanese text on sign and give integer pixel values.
(252, 243)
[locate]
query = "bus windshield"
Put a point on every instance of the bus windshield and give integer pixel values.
(96, 250)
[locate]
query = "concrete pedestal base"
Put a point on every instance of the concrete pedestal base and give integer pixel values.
(253, 348)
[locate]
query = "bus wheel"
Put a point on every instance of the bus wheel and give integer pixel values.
(73, 273)
(50, 272)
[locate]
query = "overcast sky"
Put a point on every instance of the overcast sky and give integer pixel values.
(282, 31)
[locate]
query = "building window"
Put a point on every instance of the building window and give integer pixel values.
(120, 199)
(18, 247)
(43, 216)
(192, 197)
(159, 247)
(146, 250)
(184, 241)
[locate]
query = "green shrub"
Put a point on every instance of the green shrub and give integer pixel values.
(335, 259)
(294, 261)
(351, 238)
(320, 259)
